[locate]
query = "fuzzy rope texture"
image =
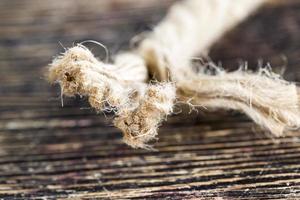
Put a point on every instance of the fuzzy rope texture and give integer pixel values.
(190, 28)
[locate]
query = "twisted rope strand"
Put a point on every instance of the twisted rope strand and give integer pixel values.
(190, 27)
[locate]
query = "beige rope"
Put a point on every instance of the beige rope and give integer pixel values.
(190, 28)
(139, 107)
(271, 102)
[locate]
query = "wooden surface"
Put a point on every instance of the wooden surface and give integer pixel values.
(50, 152)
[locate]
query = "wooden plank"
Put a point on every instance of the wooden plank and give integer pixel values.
(51, 152)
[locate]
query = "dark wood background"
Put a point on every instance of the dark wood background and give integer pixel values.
(51, 152)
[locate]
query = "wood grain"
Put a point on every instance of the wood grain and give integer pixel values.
(51, 152)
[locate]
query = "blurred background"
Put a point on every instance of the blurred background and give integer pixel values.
(52, 152)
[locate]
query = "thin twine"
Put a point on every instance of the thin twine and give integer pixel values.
(101, 45)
